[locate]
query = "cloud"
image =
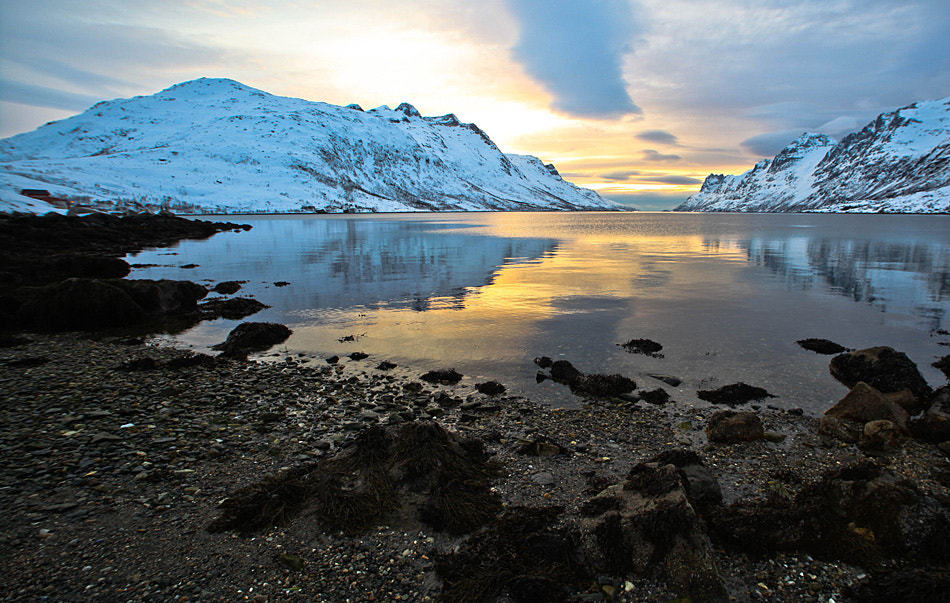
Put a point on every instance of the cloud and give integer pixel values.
(770, 143)
(41, 96)
(576, 49)
(671, 179)
(653, 155)
(620, 176)
(659, 136)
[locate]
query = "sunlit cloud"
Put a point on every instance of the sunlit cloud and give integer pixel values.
(654, 155)
(658, 136)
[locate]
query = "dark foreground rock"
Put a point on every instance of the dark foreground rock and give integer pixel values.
(847, 419)
(858, 514)
(646, 526)
(735, 394)
(821, 346)
(647, 347)
(415, 471)
(252, 337)
(596, 385)
(92, 304)
(730, 427)
(883, 368)
(65, 273)
(111, 476)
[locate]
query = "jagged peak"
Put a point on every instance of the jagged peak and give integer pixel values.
(408, 110)
(355, 107)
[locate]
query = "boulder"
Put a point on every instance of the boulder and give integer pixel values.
(884, 369)
(163, 297)
(78, 305)
(734, 394)
(880, 436)
(858, 514)
(730, 427)
(646, 526)
(934, 425)
(846, 420)
(251, 337)
(702, 487)
(821, 346)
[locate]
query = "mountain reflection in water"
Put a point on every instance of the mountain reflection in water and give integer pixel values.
(486, 293)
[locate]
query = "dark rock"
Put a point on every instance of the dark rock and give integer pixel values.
(418, 469)
(291, 562)
(163, 297)
(358, 356)
(646, 526)
(668, 379)
(821, 346)
(491, 388)
(563, 371)
(281, 284)
(78, 304)
(445, 377)
(658, 396)
(703, 489)
(386, 365)
(333, 359)
(232, 309)
(541, 446)
(934, 425)
(647, 347)
(603, 386)
(227, 287)
(883, 368)
(524, 556)
(880, 436)
(734, 394)
(858, 514)
(188, 266)
(544, 362)
(730, 426)
(944, 365)
(846, 419)
(251, 337)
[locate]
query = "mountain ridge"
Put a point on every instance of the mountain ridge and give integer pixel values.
(899, 162)
(215, 145)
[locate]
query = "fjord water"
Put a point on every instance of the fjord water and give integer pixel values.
(727, 295)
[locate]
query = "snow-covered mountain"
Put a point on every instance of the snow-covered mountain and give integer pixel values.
(216, 145)
(900, 162)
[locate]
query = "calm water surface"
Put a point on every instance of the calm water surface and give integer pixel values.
(727, 295)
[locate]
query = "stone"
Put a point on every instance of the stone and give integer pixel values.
(251, 337)
(881, 435)
(703, 489)
(667, 379)
(647, 347)
(846, 419)
(646, 526)
(730, 427)
(821, 346)
(934, 425)
(491, 388)
(444, 376)
(658, 396)
(734, 394)
(227, 287)
(883, 368)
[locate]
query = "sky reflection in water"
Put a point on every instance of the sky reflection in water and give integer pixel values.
(726, 294)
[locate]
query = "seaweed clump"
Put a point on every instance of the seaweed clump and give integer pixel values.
(524, 555)
(417, 469)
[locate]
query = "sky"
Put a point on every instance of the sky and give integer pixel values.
(637, 99)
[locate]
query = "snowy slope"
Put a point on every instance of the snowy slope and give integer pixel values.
(216, 145)
(900, 162)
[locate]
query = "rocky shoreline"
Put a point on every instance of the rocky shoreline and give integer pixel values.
(134, 472)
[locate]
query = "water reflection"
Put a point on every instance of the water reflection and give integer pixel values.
(727, 295)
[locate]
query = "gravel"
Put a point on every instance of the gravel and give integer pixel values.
(109, 476)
